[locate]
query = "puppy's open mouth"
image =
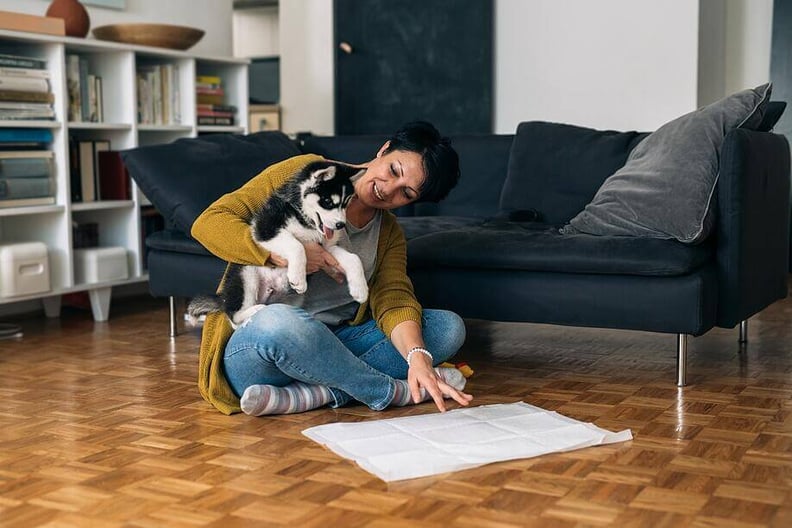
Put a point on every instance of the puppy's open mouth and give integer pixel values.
(326, 231)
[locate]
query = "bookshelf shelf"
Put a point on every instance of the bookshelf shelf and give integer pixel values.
(116, 123)
(98, 126)
(7, 123)
(31, 210)
(102, 204)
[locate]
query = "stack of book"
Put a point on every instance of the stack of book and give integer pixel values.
(96, 172)
(85, 91)
(25, 89)
(210, 98)
(158, 94)
(26, 178)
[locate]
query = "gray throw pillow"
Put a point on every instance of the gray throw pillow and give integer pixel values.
(666, 187)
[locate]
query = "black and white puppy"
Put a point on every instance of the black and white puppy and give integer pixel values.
(309, 207)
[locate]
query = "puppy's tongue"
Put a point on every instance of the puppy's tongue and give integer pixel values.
(328, 233)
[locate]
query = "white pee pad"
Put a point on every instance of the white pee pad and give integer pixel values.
(418, 446)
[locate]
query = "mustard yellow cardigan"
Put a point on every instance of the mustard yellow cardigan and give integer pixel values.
(224, 229)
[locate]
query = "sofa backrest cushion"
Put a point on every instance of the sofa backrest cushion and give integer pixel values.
(555, 169)
(667, 187)
(183, 178)
(483, 162)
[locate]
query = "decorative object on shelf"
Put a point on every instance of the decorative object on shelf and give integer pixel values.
(32, 23)
(73, 14)
(157, 35)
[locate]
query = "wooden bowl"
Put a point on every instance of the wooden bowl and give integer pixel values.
(158, 35)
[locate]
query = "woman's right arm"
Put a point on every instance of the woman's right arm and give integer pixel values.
(224, 227)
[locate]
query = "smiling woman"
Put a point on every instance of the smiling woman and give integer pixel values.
(383, 351)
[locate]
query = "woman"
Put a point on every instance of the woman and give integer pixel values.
(321, 347)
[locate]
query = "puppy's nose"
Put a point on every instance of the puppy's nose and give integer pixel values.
(340, 225)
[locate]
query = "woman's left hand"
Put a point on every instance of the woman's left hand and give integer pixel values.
(422, 375)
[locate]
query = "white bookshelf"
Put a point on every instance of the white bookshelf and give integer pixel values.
(119, 221)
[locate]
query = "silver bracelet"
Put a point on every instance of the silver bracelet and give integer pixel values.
(418, 349)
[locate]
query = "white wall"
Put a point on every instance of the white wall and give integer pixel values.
(623, 64)
(256, 32)
(213, 16)
(306, 66)
(618, 64)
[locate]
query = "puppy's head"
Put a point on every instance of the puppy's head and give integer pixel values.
(326, 193)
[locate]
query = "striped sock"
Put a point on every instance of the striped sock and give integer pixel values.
(402, 396)
(296, 397)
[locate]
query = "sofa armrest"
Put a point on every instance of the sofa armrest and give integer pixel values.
(753, 224)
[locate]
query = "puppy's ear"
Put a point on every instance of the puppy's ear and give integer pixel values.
(325, 174)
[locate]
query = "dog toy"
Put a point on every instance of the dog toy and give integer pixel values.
(462, 367)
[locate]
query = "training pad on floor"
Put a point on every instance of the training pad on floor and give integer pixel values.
(419, 446)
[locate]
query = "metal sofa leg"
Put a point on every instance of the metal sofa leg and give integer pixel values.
(176, 315)
(743, 332)
(682, 348)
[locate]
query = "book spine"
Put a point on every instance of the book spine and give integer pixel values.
(24, 84)
(37, 135)
(73, 87)
(33, 97)
(24, 72)
(25, 168)
(26, 202)
(12, 188)
(14, 61)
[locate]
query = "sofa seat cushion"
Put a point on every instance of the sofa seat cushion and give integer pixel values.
(537, 247)
(172, 240)
(416, 226)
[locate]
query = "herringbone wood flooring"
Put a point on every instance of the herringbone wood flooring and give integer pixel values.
(101, 424)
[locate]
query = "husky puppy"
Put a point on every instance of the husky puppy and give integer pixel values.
(309, 207)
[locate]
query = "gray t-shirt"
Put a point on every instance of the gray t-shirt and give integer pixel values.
(326, 299)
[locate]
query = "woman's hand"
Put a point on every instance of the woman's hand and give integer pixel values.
(317, 258)
(422, 375)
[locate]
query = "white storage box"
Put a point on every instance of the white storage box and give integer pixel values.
(24, 269)
(100, 264)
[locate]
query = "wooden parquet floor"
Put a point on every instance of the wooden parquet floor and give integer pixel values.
(101, 424)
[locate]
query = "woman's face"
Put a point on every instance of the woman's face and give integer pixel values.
(391, 180)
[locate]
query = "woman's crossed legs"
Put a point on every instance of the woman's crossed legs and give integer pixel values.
(290, 362)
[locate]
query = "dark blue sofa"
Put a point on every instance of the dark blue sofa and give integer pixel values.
(492, 249)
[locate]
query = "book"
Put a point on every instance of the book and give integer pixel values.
(24, 135)
(32, 97)
(19, 61)
(24, 72)
(22, 105)
(73, 88)
(208, 79)
(25, 166)
(215, 108)
(204, 98)
(100, 145)
(113, 177)
(32, 23)
(25, 202)
(75, 185)
(17, 114)
(12, 188)
(24, 84)
(215, 121)
(86, 170)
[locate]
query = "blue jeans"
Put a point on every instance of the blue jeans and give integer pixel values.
(282, 343)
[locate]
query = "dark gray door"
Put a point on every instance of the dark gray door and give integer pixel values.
(401, 60)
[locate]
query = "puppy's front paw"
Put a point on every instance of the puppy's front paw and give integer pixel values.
(299, 285)
(359, 291)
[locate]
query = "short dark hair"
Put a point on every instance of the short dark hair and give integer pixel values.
(440, 160)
